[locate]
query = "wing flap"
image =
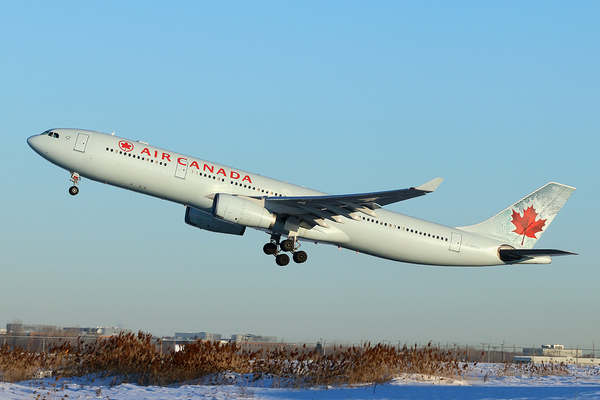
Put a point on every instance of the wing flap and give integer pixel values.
(372, 200)
(330, 207)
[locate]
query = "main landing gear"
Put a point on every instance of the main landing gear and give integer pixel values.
(288, 245)
(73, 190)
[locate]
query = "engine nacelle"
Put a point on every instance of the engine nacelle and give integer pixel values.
(205, 221)
(239, 210)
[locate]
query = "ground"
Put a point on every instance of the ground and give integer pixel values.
(485, 382)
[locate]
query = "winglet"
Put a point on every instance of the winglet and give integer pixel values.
(431, 185)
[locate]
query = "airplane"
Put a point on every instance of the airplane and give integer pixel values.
(228, 200)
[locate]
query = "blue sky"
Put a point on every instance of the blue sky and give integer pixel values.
(498, 98)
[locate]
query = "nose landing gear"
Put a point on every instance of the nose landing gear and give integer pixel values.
(277, 249)
(75, 178)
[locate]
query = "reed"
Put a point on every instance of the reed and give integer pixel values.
(139, 359)
(530, 370)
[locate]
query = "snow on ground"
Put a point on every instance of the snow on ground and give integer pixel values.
(484, 383)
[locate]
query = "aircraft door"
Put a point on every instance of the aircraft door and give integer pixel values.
(181, 170)
(455, 241)
(81, 142)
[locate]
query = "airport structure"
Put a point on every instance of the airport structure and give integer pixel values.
(34, 336)
(256, 342)
(20, 329)
(40, 337)
(192, 336)
(556, 354)
(249, 338)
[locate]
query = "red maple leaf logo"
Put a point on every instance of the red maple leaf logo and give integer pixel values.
(526, 225)
(125, 145)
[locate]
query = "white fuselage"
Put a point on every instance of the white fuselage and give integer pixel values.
(193, 182)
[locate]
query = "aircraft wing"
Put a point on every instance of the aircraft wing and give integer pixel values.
(332, 206)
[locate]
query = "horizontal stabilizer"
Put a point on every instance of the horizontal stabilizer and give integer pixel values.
(508, 255)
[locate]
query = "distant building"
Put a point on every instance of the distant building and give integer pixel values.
(97, 331)
(19, 329)
(215, 337)
(256, 342)
(556, 354)
(112, 331)
(27, 329)
(244, 337)
(551, 350)
(180, 339)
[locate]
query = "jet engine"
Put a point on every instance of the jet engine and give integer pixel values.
(242, 211)
(205, 221)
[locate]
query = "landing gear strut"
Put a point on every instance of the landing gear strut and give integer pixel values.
(276, 248)
(73, 190)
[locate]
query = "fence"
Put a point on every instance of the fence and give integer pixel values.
(482, 352)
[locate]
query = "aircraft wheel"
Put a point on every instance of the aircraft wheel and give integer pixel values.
(300, 257)
(73, 190)
(270, 248)
(282, 260)
(287, 245)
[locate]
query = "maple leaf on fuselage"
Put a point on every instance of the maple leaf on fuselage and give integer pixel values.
(526, 225)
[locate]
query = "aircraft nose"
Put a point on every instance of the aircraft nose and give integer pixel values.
(31, 141)
(35, 142)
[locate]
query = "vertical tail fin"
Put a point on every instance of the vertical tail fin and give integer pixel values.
(523, 223)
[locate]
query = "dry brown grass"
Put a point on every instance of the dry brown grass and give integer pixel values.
(357, 364)
(20, 364)
(137, 358)
(530, 370)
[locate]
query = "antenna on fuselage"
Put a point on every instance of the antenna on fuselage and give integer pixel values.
(113, 134)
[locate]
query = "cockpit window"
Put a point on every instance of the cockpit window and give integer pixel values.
(50, 133)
